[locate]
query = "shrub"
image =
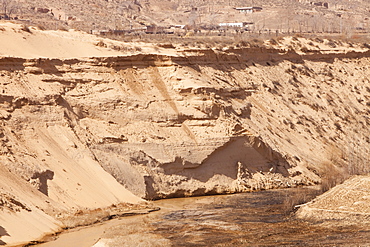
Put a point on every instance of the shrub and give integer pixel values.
(63, 29)
(244, 43)
(365, 45)
(331, 44)
(101, 44)
(331, 176)
(273, 42)
(167, 46)
(290, 201)
(41, 27)
(318, 40)
(26, 29)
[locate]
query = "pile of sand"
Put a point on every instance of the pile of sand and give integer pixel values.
(347, 203)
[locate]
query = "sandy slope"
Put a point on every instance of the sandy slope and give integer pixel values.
(77, 183)
(347, 203)
(30, 42)
(16, 42)
(67, 180)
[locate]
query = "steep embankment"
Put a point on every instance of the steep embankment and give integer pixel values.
(84, 133)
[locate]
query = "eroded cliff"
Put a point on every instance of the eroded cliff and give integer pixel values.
(86, 133)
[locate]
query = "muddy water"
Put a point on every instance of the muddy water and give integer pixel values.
(251, 219)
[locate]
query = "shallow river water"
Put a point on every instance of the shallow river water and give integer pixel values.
(249, 219)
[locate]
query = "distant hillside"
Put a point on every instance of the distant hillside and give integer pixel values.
(285, 15)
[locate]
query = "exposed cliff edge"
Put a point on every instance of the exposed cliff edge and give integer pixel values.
(81, 134)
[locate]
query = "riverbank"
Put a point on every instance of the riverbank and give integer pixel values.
(85, 129)
(259, 219)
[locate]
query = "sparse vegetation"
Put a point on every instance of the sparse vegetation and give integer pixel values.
(101, 44)
(63, 29)
(167, 45)
(331, 44)
(273, 42)
(331, 176)
(26, 28)
(41, 27)
(292, 200)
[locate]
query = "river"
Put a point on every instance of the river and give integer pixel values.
(249, 219)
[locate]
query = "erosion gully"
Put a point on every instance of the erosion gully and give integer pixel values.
(261, 218)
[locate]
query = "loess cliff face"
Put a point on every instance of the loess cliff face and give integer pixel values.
(195, 123)
(188, 125)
